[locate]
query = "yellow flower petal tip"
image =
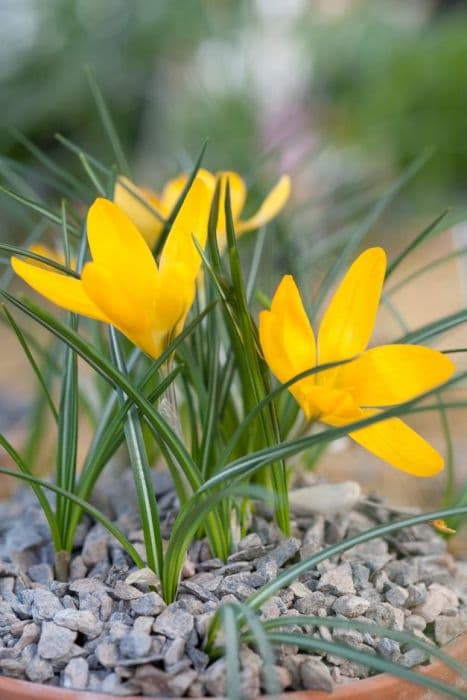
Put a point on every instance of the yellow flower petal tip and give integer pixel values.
(122, 285)
(148, 210)
(442, 527)
(364, 386)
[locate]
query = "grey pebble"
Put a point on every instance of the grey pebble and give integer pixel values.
(89, 586)
(350, 606)
(55, 641)
(95, 545)
(106, 654)
(40, 573)
(181, 682)
(76, 674)
(143, 623)
(124, 591)
(152, 681)
(148, 604)
(77, 568)
(338, 580)
(39, 670)
(413, 657)
(388, 648)
(44, 605)
(214, 678)
(397, 596)
(173, 652)
(315, 675)
(402, 572)
(174, 622)
(82, 621)
(135, 644)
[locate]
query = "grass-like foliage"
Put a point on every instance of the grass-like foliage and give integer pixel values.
(162, 319)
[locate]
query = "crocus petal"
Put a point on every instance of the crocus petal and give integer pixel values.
(349, 319)
(148, 218)
(393, 441)
(191, 221)
(176, 293)
(174, 188)
(118, 247)
(391, 374)
(136, 323)
(67, 292)
(271, 206)
(287, 339)
(109, 294)
(237, 190)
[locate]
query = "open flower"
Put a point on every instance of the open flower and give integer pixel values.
(377, 378)
(123, 285)
(148, 210)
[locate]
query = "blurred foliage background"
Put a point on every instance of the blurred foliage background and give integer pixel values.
(364, 86)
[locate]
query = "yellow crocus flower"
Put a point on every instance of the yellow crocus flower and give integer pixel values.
(380, 377)
(148, 209)
(123, 285)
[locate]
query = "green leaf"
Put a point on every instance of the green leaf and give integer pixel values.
(173, 214)
(232, 660)
(107, 123)
(37, 207)
(147, 504)
(430, 330)
(32, 362)
(430, 230)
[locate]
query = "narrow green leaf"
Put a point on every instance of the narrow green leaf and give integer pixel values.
(92, 175)
(32, 362)
(173, 214)
(430, 330)
(37, 207)
(232, 649)
(422, 237)
(14, 250)
(107, 123)
(147, 504)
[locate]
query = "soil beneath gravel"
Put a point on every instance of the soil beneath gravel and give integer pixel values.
(100, 632)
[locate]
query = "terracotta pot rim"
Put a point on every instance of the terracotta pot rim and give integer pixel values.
(382, 685)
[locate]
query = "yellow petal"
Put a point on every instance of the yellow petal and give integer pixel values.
(237, 189)
(287, 338)
(128, 197)
(118, 247)
(191, 221)
(175, 297)
(391, 374)
(109, 293)
(66, 292)
(272, 205)
(174, 188)
(393, 441)
(442, 526)
(349, 319)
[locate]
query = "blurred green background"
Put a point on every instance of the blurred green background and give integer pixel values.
(358, 88)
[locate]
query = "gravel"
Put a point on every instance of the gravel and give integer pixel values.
(106, 631)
